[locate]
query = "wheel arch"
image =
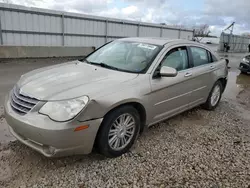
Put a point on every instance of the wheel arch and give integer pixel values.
(138, 106)
(223, 82)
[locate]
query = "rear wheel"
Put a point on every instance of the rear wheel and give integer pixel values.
(214, 96)
(118, 131)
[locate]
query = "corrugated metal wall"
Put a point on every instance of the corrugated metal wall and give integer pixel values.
(23, 26)
(237, 43)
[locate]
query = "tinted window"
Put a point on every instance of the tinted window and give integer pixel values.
(211, 57)
(214, 59)
(200, 56)
(177, 58)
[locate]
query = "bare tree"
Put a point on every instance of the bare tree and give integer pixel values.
(202, 30)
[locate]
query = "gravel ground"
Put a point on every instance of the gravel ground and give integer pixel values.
(197, 148)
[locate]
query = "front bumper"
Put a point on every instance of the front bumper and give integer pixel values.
(52, 139)
(244, 67)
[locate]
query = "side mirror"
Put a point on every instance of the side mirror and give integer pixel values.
(168, 71)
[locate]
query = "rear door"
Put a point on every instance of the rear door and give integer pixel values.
(203, 74)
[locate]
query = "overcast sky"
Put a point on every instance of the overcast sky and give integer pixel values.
(216, 13)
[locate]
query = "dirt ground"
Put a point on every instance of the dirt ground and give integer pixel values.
(197, 148)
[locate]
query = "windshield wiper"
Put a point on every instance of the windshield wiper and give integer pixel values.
(82, 60)
(104, 65)
(99, 64)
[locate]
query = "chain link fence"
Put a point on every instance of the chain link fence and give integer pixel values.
(237, 43)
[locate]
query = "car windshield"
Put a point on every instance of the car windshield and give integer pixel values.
(125, 56)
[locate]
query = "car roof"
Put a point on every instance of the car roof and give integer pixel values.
(165, 41)
(156, 40)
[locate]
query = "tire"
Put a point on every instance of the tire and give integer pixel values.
(210, 104)
(109, 132)
(244, 72)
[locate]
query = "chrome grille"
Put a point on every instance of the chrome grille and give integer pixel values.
(20, 103)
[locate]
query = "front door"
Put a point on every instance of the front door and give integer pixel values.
(170, 95)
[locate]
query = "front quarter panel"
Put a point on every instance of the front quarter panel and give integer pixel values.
(134, 91)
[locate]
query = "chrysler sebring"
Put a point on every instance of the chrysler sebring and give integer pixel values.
(106, 99)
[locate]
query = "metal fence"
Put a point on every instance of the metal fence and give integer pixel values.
(237, 43)
(25, 26)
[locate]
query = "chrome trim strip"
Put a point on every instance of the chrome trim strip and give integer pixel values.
(177, 110)
(169, 112)
(203, 87)
(20, 103)
(15, 99)
(196, 101)
(173, 98)
(29, 100)
(17, 108)
(199, 89)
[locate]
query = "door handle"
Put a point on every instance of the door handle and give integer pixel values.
(188, 74)
(212, 67)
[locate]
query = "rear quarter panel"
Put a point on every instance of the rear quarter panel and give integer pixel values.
(220, 72)
(221, 69)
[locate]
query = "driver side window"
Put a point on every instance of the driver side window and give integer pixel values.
(176, 58)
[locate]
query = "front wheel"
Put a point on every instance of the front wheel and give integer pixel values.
(214, 96)
(118, 131)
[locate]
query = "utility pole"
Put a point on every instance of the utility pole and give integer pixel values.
(231, 29)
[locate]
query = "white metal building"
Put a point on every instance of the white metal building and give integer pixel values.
(23, 26)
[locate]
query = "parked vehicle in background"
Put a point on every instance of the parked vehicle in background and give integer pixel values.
(245, 64)
(107, 98)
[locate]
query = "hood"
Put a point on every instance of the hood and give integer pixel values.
(71, 80)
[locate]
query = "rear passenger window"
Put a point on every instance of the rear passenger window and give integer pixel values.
(211, 57)
(200, 56)
(214, 59)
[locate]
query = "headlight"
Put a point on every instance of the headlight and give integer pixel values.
(245, 60)
(64, 110)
